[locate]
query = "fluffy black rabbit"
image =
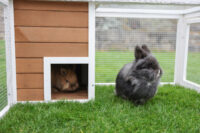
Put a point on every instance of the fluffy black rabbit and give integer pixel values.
(138, 81)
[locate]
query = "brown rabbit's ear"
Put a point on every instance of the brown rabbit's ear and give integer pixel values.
(63, 71)
(146, 49)
(139, 53)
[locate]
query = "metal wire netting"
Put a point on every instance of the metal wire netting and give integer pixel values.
(193, 64)
(3, 87)
(116, 39)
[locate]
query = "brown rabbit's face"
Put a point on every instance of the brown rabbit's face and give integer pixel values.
(67, 80)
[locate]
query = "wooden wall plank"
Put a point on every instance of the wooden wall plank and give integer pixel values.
(29, 65)
(47, 34)
(46, 29)
(51, 50)
(30, 81)
(56, 6)
(49, 18)
(30, 94)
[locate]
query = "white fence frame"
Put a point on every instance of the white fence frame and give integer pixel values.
(4, 2)
(10, 55)
(190, 20)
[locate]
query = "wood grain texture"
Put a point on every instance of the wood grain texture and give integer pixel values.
(51, 50)
(30, 94)
(30, 81)
(51, 18)
(46, 29)
(56, 6)
(48, 34)
(29, 65)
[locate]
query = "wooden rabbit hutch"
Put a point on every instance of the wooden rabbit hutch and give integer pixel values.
(48, 33)
(42, 33)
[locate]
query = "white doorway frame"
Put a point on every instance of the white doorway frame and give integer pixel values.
(48, 61)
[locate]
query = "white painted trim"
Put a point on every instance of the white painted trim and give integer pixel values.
(147, 11)
(4, 111)
(193, 20)
(191, 10)
(13, 58)
(191, 85)
(185, 48)
(52, 101)
(192, 15)
(113, 84)
(143, 11)
(178, 54)
(181, 51)
(138, 1)
(59, 60)
(137, 15)
(10, 53)
(91, 42)
(166, 83)
(4, 2)
(105, 84)
(67, 60)
(47, 79)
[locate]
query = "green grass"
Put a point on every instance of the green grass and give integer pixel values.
(109, 63)
(3, 92)
(193, 67)
(173, 110)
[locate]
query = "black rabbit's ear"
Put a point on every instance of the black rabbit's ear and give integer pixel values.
(161, 72)
(139, 53)
(146, 49)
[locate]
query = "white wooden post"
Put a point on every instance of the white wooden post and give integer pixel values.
(91, 39)
(181, 51)
(10, 53)
(4, 2)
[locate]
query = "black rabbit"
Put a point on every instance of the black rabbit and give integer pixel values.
(138, 81)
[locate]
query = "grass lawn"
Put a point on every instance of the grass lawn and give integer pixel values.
(109, 63)
(174, 109)
(193, 67)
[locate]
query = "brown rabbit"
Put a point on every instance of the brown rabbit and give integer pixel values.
(64, 78)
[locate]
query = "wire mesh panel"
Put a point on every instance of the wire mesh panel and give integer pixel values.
(193, 62)
(116, 39)
(3, 87)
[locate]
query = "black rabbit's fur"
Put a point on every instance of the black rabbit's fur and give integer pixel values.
(138, 81)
